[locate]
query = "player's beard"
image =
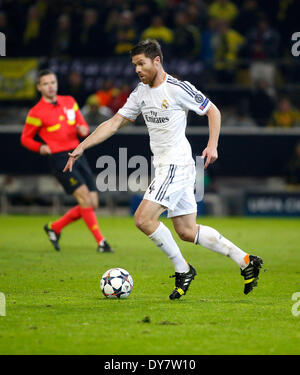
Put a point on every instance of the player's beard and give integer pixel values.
(152, 78)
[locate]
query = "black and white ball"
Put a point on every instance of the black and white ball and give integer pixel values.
(116, 283)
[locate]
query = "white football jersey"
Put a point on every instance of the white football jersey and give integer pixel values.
(165, 110)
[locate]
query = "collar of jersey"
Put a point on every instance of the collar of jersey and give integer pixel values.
(45, 102)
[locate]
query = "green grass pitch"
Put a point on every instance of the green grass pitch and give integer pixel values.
(54, 304)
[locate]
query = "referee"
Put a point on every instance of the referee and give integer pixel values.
(58, 122)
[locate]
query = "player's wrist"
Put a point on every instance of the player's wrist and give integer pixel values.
(212, 145)
(81, 148)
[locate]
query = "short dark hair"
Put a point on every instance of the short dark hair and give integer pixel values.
(44, 72)
(150, 47)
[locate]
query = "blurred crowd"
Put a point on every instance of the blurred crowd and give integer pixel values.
(222, 34)
(213, 30)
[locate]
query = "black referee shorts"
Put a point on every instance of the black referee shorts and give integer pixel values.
(80, 175)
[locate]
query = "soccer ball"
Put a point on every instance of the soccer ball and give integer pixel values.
(116, 283)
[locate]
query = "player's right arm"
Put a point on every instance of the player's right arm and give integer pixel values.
(100, 134)
(128, 113)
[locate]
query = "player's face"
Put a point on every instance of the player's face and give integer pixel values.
(145, 67)
(48, 85)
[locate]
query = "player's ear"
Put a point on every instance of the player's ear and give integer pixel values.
(157, 60)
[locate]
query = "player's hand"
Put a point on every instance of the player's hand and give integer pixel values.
(73, 156)
(45, 150)
(82, 130)
(211, 155)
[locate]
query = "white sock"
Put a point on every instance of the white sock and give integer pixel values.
(213, 240)
(163, 239)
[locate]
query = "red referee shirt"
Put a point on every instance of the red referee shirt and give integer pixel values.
(54, 123)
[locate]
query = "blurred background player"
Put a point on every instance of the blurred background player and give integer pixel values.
(58, 122)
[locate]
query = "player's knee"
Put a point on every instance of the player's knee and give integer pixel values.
(95, 202)
(138, 220)
(141, 221)
(185, 234)
(84, 199)
(95, 205)
(85, 202)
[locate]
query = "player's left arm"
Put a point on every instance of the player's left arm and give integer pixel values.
(214, 123)
(192, 99)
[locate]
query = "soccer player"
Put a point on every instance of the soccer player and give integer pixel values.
(58, 122)
(164, 103)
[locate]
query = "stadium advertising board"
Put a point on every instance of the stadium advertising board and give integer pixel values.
(272, 204)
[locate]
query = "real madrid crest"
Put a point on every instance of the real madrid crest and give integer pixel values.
(164, 104)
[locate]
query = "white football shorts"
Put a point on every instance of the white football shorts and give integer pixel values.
(173, 188)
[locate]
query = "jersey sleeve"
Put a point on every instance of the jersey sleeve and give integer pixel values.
(192, 99)
(32, 126)
(131, 109)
